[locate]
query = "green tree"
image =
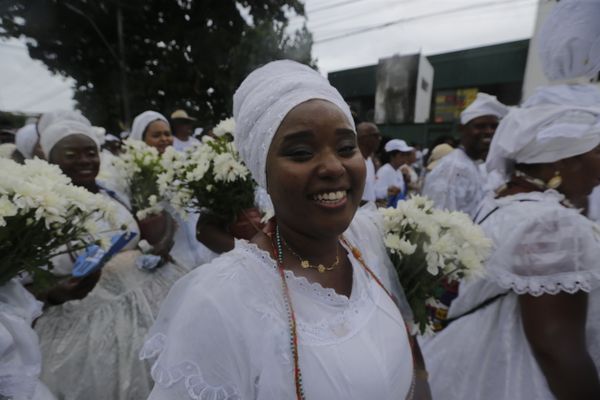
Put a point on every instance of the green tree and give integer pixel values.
(188, 54)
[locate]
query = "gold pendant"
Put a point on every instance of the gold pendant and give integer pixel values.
(321, 268)
(305, 264)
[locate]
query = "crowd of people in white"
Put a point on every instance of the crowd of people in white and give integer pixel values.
(309, 305)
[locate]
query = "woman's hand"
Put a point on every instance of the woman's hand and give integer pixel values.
(393, 191)
(158, 230)
(212, 232)
(555, 329)
(69, 289)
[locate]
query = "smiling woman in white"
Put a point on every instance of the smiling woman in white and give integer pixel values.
(306, 310)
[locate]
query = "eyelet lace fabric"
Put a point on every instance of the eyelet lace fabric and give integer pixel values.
(223, 332)
(542, 247)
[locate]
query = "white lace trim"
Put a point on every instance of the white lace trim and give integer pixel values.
(186, 371)
(536, 286)
(345, 324)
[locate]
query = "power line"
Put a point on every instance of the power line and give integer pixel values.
(415, 18)
(334, 5)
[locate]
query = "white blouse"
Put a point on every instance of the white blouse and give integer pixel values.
(223, 331)
(540, 247)
(388, 176)
(456, 184)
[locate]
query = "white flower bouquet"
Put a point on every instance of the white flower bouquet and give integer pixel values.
(209, 177)
(139, 166)
(429, 246)
(43, 215)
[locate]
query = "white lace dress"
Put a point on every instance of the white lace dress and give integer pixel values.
(541, 247)
(223, 331)
(456, 184)
(90, 347)
(20, 358)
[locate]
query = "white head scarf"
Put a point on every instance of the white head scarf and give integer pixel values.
(26, 139)
(483, 105)
(264, 99)
(546, 131)
(569, 44)
(50, 118)
(141, 122)
(60, 130)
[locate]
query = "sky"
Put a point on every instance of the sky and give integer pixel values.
(385, 28)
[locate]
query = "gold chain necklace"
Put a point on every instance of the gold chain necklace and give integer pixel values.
(306, 264)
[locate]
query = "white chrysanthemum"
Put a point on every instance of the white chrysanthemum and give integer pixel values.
(224, 127)
(228, 169)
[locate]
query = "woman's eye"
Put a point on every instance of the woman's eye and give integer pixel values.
(348, 149)
(298, 154)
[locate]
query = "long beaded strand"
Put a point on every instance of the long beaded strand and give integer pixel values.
(278, 249)
(291, 317)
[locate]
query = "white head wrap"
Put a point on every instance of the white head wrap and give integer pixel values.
(26, 139)
(50, 118)
(60, 130)
(141, 122)
(569, 44)
(577, 94)
(264, 99)
(545, 132)
(483, 105)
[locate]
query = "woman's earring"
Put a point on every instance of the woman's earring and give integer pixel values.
(555, 181)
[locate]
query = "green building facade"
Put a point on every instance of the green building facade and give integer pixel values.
(458, 76)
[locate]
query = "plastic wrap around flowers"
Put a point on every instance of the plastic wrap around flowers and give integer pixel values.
(139, 166)
(209, 177)
(429, 247)
(42, 215)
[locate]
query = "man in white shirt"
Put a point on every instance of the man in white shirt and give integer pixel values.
(456, 183)
(390, 181)
(183, 127)
(368, 141)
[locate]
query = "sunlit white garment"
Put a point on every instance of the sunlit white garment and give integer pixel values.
(223, 331)
(540, 247)
(20, 357)
(388, 176)
(455, 183)
(181, 145)
(90, 346)
(369, 193)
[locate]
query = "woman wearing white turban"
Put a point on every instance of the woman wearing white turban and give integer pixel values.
(531, 328)
(90, 335)
(298, 312)
(153, 129)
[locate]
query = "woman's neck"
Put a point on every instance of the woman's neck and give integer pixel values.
(315, 249)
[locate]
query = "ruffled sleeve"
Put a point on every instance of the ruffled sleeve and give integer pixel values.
(196, 341)
(366, 232)
(552, 249)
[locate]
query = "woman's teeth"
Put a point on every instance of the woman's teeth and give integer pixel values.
(331, 196)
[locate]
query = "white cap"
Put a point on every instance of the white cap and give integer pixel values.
(483, 105)
(397, 145)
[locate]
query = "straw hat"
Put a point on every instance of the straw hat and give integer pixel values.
(438, 152)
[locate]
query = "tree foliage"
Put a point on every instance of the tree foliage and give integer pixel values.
(188, 54)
